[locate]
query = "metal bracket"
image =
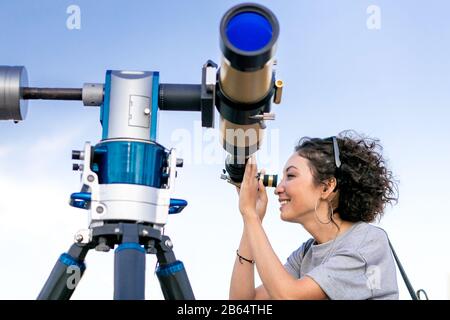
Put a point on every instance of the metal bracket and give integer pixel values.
(208, 93)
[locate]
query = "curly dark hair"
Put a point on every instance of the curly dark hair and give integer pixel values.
(364, 184)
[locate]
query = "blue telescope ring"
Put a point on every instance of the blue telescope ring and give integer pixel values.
(249, 31)
(130, 162)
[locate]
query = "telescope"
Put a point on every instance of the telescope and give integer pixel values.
(127, 177)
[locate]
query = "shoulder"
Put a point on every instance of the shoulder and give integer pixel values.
(375, 236)
(364, 241)
(365, 234)
(294, 261)
(300, 251)
(375, 243)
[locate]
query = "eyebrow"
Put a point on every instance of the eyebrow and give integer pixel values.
(290, 167)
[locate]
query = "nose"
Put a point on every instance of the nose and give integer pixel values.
(279, 189)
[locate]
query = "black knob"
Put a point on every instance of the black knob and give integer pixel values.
(76, 155)
(179, 162)
(75, 167)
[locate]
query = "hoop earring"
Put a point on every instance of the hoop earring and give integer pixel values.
(329, 212)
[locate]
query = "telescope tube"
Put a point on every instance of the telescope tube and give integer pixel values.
(246, 81)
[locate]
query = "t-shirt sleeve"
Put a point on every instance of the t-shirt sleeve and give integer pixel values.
(294, 261)
(343, 277)
(292, 264)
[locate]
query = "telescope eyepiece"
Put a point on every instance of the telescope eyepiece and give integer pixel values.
(269, 180)
(236, 172)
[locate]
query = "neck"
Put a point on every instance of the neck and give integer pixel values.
(325, 232)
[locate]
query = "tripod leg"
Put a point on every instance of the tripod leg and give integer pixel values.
(171, 273)
(65, 275)
(129, 266)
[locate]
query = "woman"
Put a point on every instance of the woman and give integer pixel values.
(333, 187)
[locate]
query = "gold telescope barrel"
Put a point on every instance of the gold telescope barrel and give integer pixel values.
(246, 81)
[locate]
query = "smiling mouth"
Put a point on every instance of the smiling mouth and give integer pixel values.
(283, 202)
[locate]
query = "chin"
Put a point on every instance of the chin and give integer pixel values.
(284, 216)
(290, 216)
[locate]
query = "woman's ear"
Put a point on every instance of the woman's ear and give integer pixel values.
(328, 188)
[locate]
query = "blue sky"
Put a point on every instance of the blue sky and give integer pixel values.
(391, 83)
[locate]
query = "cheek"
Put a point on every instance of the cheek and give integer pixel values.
(295, 189)
(302, 196)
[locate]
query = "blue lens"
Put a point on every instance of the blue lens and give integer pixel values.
(249, 31)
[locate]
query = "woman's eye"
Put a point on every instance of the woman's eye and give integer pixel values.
(290, 175)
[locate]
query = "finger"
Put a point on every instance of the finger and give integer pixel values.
(252, 165)
(260, 176)
(261, 183)
(249, 173)
(246, 172)
(262, 189)
(255, 166)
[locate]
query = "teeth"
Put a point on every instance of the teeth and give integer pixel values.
(284, 202)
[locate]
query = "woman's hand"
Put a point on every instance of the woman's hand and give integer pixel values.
(252, 194)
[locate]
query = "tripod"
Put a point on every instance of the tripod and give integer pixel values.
(134, 240)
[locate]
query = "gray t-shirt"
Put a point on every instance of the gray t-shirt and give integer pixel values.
(357, 265)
